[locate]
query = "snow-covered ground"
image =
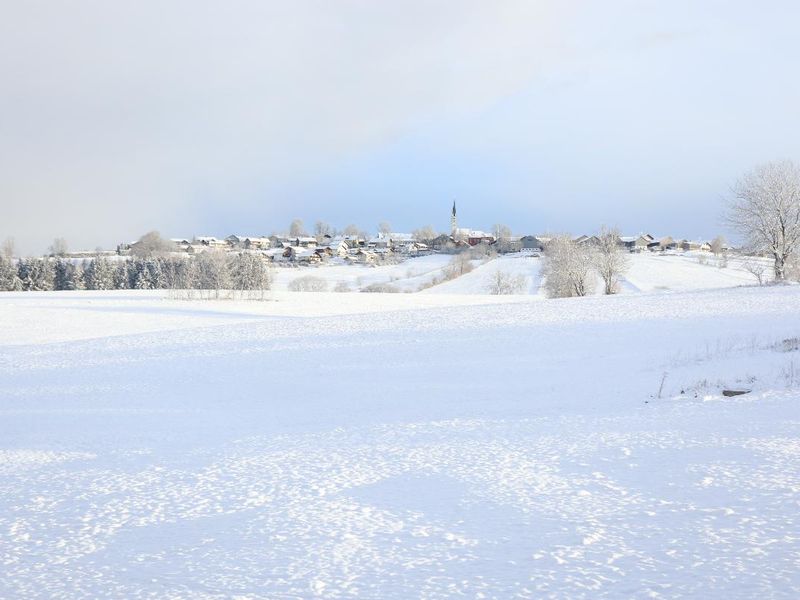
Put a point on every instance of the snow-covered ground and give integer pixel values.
(648, 272)
(403, 445)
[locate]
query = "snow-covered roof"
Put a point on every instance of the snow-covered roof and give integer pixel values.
(401, 237)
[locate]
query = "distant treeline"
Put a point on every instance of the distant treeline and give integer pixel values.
(209, 271)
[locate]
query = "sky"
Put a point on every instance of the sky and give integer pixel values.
(211, 118)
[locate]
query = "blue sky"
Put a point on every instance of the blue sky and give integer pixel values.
(212, 117)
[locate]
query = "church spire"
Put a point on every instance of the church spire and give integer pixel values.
(453, 221)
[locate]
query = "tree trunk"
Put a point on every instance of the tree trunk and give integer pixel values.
(780, 267)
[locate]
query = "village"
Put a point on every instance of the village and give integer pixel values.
(387, 247)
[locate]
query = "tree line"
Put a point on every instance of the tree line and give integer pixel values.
(213, 274)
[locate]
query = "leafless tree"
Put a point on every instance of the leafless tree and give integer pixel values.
(213, 272)
(611, 260)
(501, 232)
(250, 275)
(718, 245)
(321, 229)
(58, 247)
(568, 268)
(755, 267)
(296, 229)
(460, 264)
(385, 227)
(7, 249)
(352, 230)
(765, 210)
(151, 244)
(424, 234)
(502, 283)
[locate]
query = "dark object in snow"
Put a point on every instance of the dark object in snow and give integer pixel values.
(734, 392)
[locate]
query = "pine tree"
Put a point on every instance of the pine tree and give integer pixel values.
(120, 276)
(36, 274)
(9, 280)
(101, 275)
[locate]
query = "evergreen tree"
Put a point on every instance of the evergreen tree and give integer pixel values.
(36, 274)
(64, 275)
(9, 280)
(120, 276)
(99, 274)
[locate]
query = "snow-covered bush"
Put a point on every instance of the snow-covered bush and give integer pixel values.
(381, 288)
(250, 275)
(503, 283)
(342, 286)
(308, 283)
(568, 268)
(611, 260)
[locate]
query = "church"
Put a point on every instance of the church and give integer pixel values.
(464, 234)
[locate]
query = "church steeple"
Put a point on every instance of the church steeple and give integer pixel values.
(453, 221)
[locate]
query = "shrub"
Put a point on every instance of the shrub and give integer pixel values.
(308, 283)
(381, 288)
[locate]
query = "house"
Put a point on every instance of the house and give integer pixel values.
(667, 243)
(475, 237)
(534, 243)
(301, 255)
(403, 243)
(363, 256)
(687, 246)
(508, 245)
(635, 243)
(305, 241)
(381, 241)
(417, 248)
(210, 242)
(276, 255)
(249, 242)
(181, 244)
(591, 240)
(324, 252)
(446, 243)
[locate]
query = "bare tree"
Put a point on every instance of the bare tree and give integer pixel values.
(250, 275)
(756, 268)
(7, 249)
(567, 268)
(58, 247)
(384, 227)
(150, 244)
(718, 245)
(321, 229)
(501, 232)
(503, 283)
(296, 228)
(352, 231)
(424, 234)
(765, 209)
(213, 271)
(611, 260)
(460, 264)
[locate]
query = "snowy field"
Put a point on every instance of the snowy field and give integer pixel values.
(433, 445)
(647, 273)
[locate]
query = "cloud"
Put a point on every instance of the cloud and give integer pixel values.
(193, 117)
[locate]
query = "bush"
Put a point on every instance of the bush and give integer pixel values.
(308, 283)
(503, 284)
(342, 286)
(381, 288)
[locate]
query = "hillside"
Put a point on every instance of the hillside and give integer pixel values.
(400, 445)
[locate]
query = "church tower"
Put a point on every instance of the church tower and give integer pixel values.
(453, 221)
